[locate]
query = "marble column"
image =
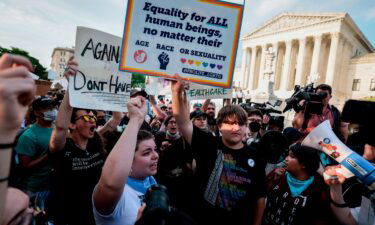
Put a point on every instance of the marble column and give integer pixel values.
(252, 68)
(286, 67)
(261, 69)
(316, 55)
(243, 67)
(300, 61)
(276, 50)
(332, 59)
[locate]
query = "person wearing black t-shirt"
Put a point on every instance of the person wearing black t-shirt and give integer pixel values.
(175, 166)
(77, 160)
(230, 175)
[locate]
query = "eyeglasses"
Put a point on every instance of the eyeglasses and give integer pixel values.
(88, 118)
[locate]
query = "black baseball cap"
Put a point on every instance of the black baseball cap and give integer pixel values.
(136, 92)
(42, 102)
(197, 113)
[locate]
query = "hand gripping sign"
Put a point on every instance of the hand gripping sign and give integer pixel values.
(323, 138)
(98, 84)
(196, 39)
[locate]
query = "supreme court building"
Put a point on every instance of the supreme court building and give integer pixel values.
(300, 48)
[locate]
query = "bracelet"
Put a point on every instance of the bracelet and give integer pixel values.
(4, 179)
(339, 205)
(7, 146)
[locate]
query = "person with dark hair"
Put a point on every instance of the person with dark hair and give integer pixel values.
(307, 122)
(299, 196)
(77, 157)
(255, 121)
(175, 167)
(128, 171)
(209, 108)
(230, 178)
(32, 149)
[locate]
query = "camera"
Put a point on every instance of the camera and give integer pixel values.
(156, 197)
(313, 101)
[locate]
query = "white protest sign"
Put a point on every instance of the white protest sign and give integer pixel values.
(98, 83)
(196, 39)
(197, 91)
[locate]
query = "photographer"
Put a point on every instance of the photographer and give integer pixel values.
(306, 122)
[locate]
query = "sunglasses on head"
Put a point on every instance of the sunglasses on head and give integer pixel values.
(88, 118)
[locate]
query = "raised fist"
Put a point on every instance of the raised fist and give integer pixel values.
(164, 60)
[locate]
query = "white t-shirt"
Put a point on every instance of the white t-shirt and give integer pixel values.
(126, 209)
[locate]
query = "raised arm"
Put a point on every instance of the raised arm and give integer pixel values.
(160, 115)
(205, 104)
(112, 123)
(181, 109)
(119, 162)
(17, 91)
(334, 180)
(60, 132)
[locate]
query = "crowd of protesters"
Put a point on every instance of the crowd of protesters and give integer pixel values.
(81, 166)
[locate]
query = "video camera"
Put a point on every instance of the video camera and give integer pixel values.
(156, 197)
(313, 101)
(265, 108)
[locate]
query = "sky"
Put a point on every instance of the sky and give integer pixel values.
(38, 26)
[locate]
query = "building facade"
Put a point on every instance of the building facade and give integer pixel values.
(300, 48)
(60, 57)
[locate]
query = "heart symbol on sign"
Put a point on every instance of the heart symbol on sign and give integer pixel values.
(212, 65)
(191, 61)
(183, 60)
(205, 64)
(198, 63)
(219, 67)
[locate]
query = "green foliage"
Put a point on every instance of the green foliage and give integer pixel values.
(138, 80)
(39, 70)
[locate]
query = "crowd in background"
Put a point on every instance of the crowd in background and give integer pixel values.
(233, 165)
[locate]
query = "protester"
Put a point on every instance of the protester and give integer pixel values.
(32, 149)
(254, 119)
(230, 178)
(17, 91)
(77, 160)
(176, 165)
(199, 119)
(101, 116)
(298, 196)
(128, 171)
(197, 107)
(160, 113)
(365, 213)
(209, 108)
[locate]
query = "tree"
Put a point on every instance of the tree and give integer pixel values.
(39, 70)
(138, 80)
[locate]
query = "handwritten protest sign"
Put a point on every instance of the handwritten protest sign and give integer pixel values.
(98, 84)
(197, 91)
(196, 39)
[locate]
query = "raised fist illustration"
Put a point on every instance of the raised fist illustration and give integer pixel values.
(164, 60)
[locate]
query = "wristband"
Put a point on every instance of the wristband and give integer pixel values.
(7, 146)
(4, 179)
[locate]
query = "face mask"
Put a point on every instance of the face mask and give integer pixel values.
(50, 115)
(254, 127)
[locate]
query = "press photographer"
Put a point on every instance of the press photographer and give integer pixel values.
(312, 109)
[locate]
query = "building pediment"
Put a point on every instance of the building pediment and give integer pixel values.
(287, 21)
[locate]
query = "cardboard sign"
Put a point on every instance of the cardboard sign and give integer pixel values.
(197, 91)
(196, 39)
(98, 84)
